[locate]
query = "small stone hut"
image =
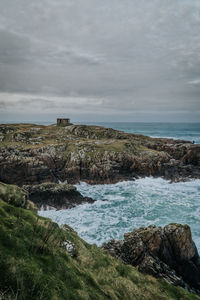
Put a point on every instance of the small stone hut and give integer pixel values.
(63, 122)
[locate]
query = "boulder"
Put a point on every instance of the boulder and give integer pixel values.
(168, 252)
(59, 196)
(192, 156)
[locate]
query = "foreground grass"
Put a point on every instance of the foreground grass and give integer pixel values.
(35, 265)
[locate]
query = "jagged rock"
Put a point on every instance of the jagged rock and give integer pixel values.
(192, 156)
(59, 196)
(31, 166)
(167, 252)
(33, 154)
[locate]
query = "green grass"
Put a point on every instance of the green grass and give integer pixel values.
(35, 265)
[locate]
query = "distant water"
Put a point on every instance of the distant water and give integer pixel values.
(183, 131)
(132, 204)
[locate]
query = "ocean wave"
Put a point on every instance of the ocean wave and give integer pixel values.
(121, 207)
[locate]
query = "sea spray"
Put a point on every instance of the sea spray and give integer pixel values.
(121, 207)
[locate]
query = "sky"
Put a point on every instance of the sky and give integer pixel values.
(91, 60)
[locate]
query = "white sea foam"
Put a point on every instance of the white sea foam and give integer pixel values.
(126, 205)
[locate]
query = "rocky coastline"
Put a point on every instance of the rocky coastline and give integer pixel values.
(168, 253)
(35, 154)
(55, 196)
(38, 158)
(40, 260)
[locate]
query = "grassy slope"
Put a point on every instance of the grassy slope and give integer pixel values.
(24, 135)
(34, 264)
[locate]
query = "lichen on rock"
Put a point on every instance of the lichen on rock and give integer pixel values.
(33, 154)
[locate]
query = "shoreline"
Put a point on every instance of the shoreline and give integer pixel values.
(126, 199)
(36, 157)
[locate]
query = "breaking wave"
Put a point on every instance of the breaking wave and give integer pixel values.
(121, 207)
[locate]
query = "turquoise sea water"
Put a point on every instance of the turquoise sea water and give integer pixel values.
(127, 205)
(183, 131)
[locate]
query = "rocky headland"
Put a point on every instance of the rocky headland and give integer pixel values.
(35, 154)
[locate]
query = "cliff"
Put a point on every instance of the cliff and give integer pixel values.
(167, 252)
(34, 154)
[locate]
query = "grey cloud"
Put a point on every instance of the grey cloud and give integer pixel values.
(194, 81)
(3, 104)
(13, 47)
(38, 102)
(119, 56)
(18, 48)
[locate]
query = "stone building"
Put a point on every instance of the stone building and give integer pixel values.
(63, 122)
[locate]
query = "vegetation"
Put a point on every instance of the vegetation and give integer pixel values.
(33, 136)
(34, 262)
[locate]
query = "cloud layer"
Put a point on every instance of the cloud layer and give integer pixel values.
(100, 60)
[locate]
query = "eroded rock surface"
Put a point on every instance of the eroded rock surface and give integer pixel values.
(53, 195)
(168, 252)
(34, 154)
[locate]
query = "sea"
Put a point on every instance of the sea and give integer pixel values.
(182, 131)
(121, 207)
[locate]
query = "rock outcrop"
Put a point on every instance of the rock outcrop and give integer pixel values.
(33, 154)
(53, 195)
(20, 165)
(168, 252)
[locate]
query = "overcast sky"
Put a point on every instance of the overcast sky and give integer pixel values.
(130, 60)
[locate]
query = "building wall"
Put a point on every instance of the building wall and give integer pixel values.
(63, 122)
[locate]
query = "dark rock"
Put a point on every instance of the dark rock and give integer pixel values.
(33, 154)
(192, 156)
(59, 196)
(167, 252)
(32, 166)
